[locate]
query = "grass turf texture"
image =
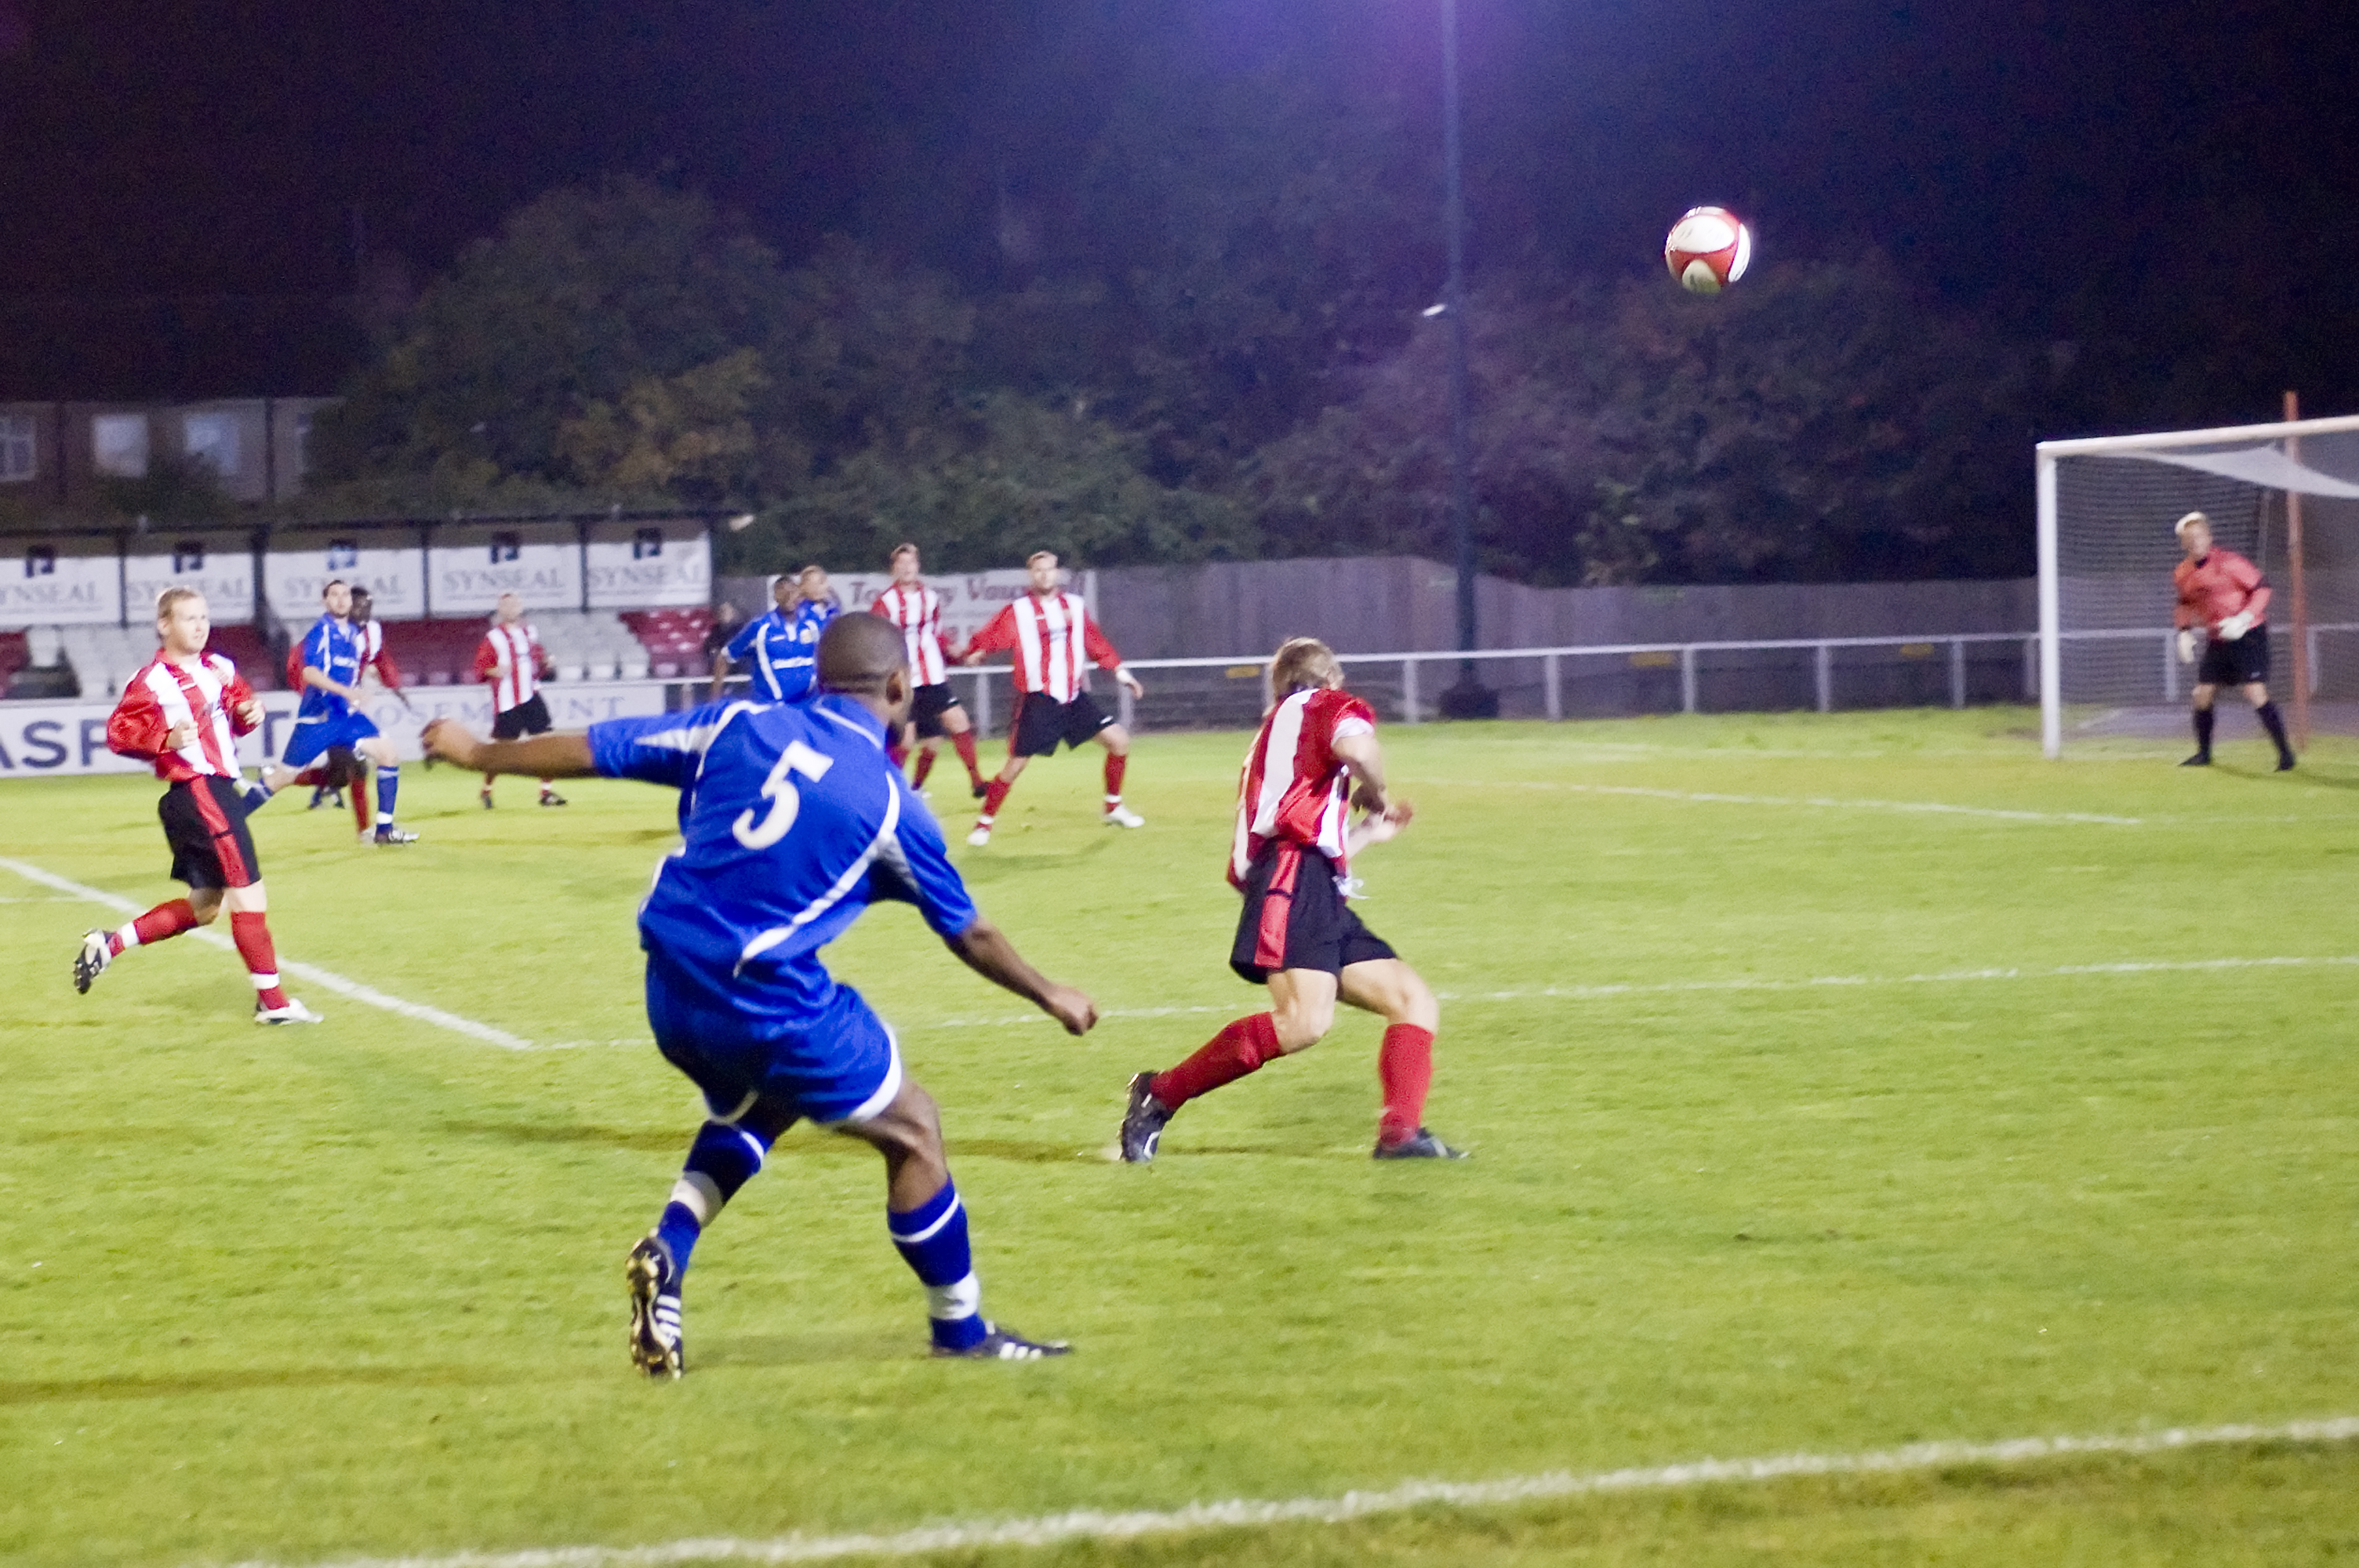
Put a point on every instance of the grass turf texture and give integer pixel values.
(355, 1288)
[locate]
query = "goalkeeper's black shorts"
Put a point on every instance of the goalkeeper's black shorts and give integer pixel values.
(2241, 662)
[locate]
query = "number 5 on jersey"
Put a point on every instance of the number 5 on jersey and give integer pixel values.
(785, 800)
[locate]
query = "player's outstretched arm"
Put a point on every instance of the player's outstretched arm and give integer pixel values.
(1381, 827)
(985, 948)
(555, 756)
(1366, 760)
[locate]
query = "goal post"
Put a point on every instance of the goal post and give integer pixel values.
(2106, 505)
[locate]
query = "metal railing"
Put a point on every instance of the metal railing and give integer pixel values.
(1642, 656)
(984, 691)
(2167, 639)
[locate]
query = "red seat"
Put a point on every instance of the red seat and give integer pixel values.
(243, 646)
(673, 638)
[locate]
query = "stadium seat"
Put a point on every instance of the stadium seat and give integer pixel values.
(674, 639)
(243, 646)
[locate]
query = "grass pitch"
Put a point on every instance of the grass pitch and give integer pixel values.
(1805, 1118)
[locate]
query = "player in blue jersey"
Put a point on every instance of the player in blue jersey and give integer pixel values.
(328, 718)
(794, 821)
(779, 648)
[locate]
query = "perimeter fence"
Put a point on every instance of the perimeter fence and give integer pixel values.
(1593, 681)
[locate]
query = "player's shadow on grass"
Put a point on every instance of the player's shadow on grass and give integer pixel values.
(666, 1140)
(998, 865)
(805, 1350)
(238, 1379)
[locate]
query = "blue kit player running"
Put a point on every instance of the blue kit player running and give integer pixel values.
(329, 721)
(779, 648)
(794, 821)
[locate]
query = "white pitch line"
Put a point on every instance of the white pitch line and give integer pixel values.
(1247, 1514)
(1817, 802)
(1746, 983)
(310, 974)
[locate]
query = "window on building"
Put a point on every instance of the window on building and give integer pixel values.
(211, 439)
(118, 445)
(19, 451)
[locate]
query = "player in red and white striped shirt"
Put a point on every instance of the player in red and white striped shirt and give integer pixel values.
(183, 712)
(934, 712)
(1297, 934)
(512, 662)
(1054, 640)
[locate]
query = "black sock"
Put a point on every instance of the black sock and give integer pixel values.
(2274, 722)
(2202, 732)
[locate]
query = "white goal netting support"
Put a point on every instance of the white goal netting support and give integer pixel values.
(2285, 494)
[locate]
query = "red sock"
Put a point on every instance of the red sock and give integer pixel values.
(1405, 1067)
(1113, 771)
(898, 753)
(164, 920)
(964, 742)
(358, 784)
(1229, 1055)
(314, 775)
(487, 781)
(251, 931)
(925, 766)
(995, 799)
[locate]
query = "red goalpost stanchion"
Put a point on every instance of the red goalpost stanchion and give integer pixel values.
(2299, 586)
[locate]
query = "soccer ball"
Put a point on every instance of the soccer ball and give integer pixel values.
(1708, 249)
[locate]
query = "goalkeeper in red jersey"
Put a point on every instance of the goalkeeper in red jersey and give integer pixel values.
(2223, 600)
(1315, 759)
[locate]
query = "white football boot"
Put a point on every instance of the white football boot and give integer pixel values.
(293, 1013)
(1121, 816)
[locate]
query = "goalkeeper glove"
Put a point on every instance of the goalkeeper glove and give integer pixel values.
(2186, 647)
(2236, 625)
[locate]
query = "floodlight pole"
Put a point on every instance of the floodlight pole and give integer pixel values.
(2300, 587)
(1469, 698)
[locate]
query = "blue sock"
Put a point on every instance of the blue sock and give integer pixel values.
(723, 1159)
(388, 784)
(931, 1239)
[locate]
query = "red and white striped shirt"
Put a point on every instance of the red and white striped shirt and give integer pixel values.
(1054, 638)
(162, 696)
(511, 659)
(917, 611)
(1295, 789)
(374, 656)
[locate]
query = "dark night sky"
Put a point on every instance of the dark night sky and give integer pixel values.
(2172, 176)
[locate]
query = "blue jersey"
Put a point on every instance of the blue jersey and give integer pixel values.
(334, 648)
(795, 822)
(782, 650)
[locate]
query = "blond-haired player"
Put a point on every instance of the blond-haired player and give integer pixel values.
(2223, 596)
(1315, 760)
(182, 713)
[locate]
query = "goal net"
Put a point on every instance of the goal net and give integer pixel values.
(2106, 549)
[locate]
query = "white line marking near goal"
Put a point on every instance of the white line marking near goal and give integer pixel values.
(1816, 801)
(1747, 983)
(1246, 1514)
(310, 974)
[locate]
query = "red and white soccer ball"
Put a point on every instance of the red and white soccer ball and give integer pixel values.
(1709, 249)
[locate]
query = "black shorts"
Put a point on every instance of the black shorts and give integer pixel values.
(529, 717)
(926, 710)
(2241, 662)
(1296, 917)
(1042, 721)
(205, 825)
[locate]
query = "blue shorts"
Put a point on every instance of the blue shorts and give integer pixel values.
(845, 1067)
(313, 736)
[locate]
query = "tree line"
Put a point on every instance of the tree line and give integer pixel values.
(1270, 386)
